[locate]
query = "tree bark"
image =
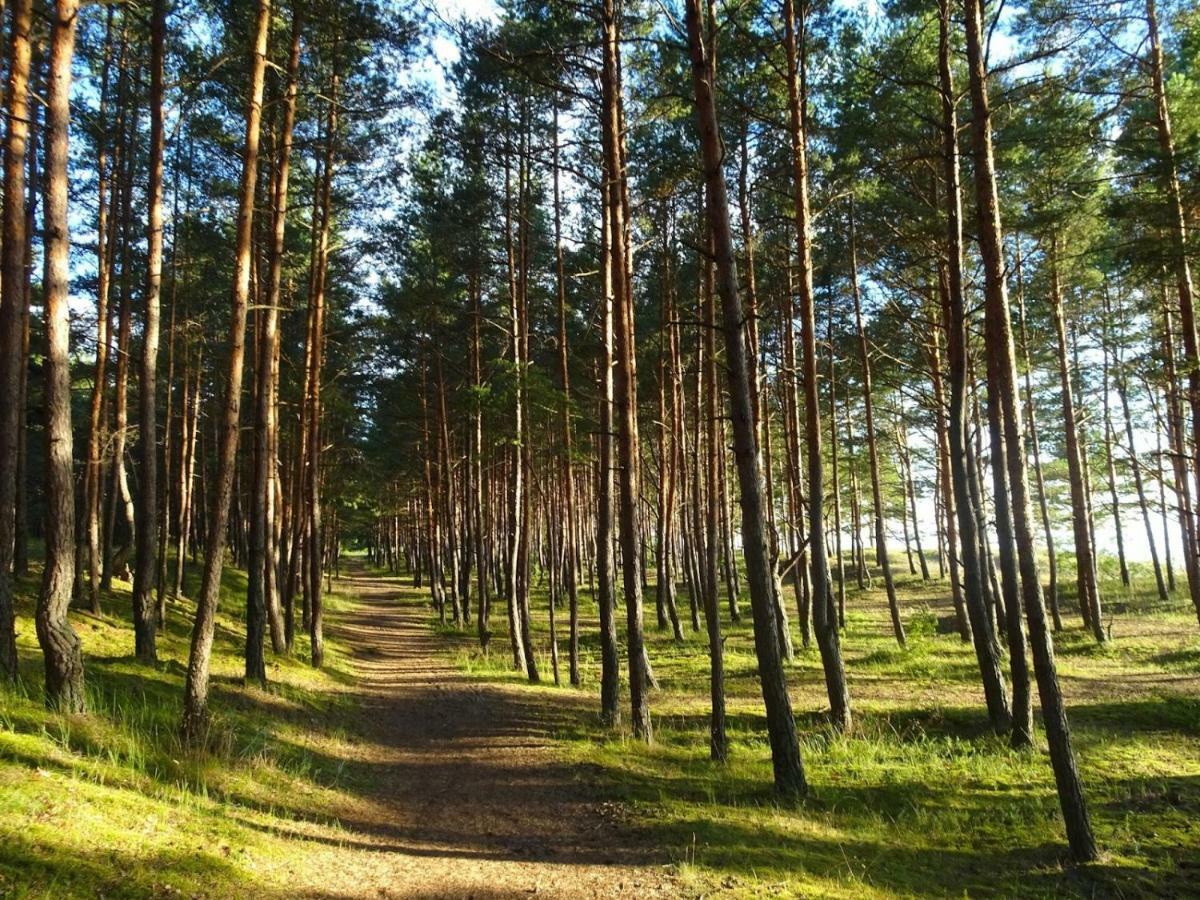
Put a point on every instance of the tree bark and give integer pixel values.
(570, 575)
(628, 458)
(315, 555)
(999, 332)
(610, 660)
(1085, 565)
(781, 727)
(881, 551)
(259, 608)
(1182, 266)
(12, 300)
(954, 320)
(60, 644)
(145, 623)
(1036, 451)
(949, 511)
(824, 621)
(195, 698)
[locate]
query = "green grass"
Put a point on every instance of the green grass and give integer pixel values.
(110, 804)
(919, 798)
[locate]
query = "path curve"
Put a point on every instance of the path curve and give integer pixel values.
(468, 797)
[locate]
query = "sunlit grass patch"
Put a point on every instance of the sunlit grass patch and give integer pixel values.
(919, 798)
(111, 803)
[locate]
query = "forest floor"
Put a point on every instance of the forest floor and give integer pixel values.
(389, 774)
(414, 765)
(468, 795)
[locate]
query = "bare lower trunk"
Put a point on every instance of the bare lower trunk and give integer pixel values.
(570, 551)
(315, 552)
(949, 513)
(954, 321)
(1036, 452)
(259, 608)
(626, 375)
(1085, 565)
(610, 661)
(1183, 277)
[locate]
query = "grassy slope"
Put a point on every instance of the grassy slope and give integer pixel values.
(920, 799)
(110, 805)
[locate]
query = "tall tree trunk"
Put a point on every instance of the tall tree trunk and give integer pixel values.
(571, 551)
(949, 512)
(1036, 451)
(628, 457)
(195, 697)
(21, 512)
(781, 727)
(610, 660)
(315, 553)
(146, 557)
(1109, 440)
(1085, 576)
(478, 498)
(824, 621)
(718, 740)
(910, 490)
(94, 486)
(60, 644)
(12, 301)
(1183, 272)
(1177, 441)
(999, 333)
(525, 441)
(170, 483)
(1136, 467)
(259, 608)
(954, 320)
(668, 432)
(515, 474)
(798, 540)
(1009, 589)
(839, 558)
(881, 551)
(120, 494)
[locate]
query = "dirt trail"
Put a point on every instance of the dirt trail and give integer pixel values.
(467, 796)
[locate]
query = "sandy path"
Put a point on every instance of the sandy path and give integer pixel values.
(467, 796)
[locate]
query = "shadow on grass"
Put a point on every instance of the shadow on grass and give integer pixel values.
(62, 871)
